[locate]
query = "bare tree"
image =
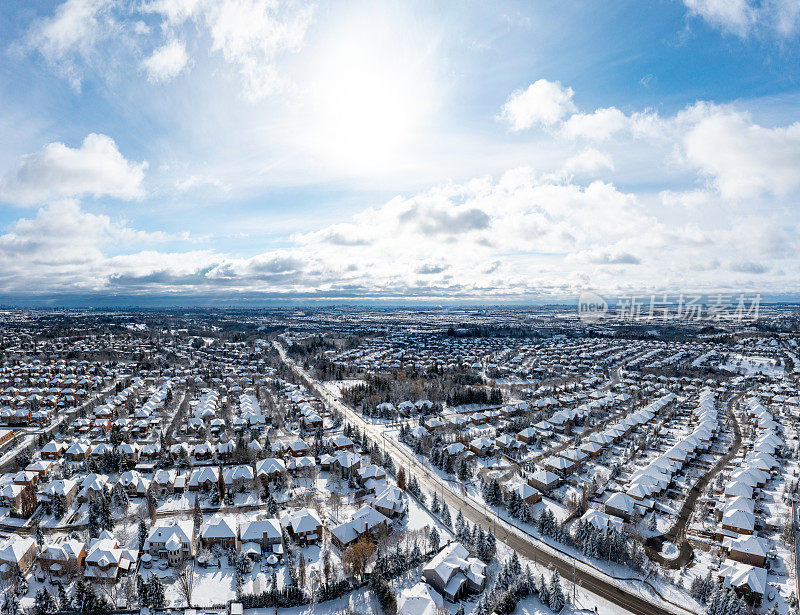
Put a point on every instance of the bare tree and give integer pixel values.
(356, 556)
(335, 502)
(185, 583)
(130, 590)
(112, 592)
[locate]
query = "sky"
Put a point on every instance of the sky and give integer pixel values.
(236, 152)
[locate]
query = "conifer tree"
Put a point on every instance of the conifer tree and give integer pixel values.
(556, 598)
(142, 533)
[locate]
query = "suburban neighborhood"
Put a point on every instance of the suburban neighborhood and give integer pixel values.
(420, 463)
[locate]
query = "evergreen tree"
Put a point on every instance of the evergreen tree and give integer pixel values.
(383, 592)
(11, 603)
(105, 518)
(94, 521)
(556, 600)
(495, 495)
(155, 591)
(142, 533)
(63, 601)
(465, 471)
(446, 518)
(79, 594)
(544, 593)
(301, 571)
(19, 580)
(490, 548)
(530, 581)
(151, 505)
(388, 464)
(59, 506)
(697, 590)
(42, 602)
(434, 539)
(459, 527)
(37, 533)
(142, 591)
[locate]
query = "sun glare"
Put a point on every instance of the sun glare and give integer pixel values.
(372, 96)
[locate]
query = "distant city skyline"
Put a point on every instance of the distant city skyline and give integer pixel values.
(250, 152)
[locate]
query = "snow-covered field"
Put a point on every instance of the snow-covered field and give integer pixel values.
(749, 365)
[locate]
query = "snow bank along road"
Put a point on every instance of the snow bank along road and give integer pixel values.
(591, 580)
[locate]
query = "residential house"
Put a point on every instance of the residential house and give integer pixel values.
(390, 502)
(746, 549)
(63, 558)
(17, 550)
(106, 561)
(304, 526)
(173, 540)
(543, 480)
(264, 532)
(453, 573)
(366, 521)
(220, 531)
(270, 469)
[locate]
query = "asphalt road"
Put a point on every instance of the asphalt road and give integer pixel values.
(677, 534)
(514, 538)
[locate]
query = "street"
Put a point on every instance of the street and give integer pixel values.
(590, 579)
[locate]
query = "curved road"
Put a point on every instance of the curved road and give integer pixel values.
(513, 537)
(677, 533)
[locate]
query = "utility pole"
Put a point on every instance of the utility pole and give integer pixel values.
(573, 581)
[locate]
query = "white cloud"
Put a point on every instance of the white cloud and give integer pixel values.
(690, 199)
(71, 33)
(599, 256)
(543, 103)
(61, 249)
(166, 62)
(739, 158)
(199, 181)
(588, 162)
(786, 16)
(549, 104)
(598, 126)
(88, 36)
(736, 16)
(96, 168)
(521, 235)
(743, 159)
(250, 34)
(174, 11)
(746, 17)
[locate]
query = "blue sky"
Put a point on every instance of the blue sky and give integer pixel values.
(194, 150)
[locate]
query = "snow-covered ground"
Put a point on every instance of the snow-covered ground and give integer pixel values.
(749, 365)
(336, 386)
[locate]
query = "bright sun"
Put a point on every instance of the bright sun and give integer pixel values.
(373, 93)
